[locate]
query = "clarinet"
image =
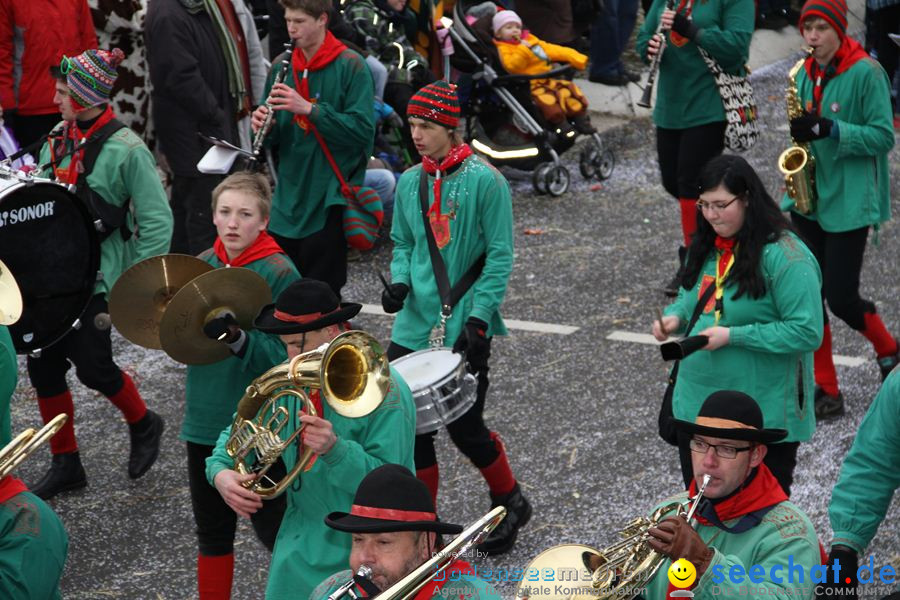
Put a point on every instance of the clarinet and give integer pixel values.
(645, 100)
(284, 67)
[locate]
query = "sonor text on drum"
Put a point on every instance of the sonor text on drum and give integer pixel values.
(27, 213)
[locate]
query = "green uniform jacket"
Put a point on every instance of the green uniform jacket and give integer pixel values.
(687, 94)
(869, 475)
(33, 547)
(344, 116)
(9, 372)
(466, 587)
(307, 550)
(852, 175)
(771, 339)
(213, 391)
(477, 198)
(785, 536)
(126, 169)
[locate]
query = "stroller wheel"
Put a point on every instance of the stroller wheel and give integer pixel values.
(539, 177)
(595, 161)
(557, 180)
(606, 164)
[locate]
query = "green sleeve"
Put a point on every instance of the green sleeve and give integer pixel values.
(219, 459)
(869, 474)
(730, 45)
(875, 135)
(9, 371)
(497, 227)
(401, 229)
(684, 305)
(31, 561)
(150, 205)
(353, 126)
(265, 350)
(796, 293)
(648, 29)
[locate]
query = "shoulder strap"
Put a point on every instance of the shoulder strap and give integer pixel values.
(704, 298)
(109, 217)
(95, 144)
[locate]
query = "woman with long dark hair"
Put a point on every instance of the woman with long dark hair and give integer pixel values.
(764, 319)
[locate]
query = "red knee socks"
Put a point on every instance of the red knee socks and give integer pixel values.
(498, 475)
(214, 576)
(826, 376)
(877, 333)
(688, 218)
(50, 406)
(129, 401)
(430, 477)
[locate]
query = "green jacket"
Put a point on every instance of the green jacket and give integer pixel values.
(466, 587)
(213, 391)
(307, 550)
(344, 116)
(852, 174)
(785, 536)
(126, 169)
(869, 475)
(33, 548)
(687, 94)
(477, 198)
(771, 339)
(9, 372)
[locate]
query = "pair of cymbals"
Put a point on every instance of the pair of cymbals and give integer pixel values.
(10, 297)
(163, 302)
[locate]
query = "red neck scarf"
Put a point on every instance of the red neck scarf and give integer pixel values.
(847, 55)
(763, 491)
(10, 486)
(330, 49)
(440, 224)
(684, 7)
(71, 137)
(433, 589)
(264, 245)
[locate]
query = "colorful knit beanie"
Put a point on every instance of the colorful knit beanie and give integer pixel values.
(503, 17)
(833, 11)
(436, 102)
(91, 75)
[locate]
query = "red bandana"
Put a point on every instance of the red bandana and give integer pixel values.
(684, 7)
(440, 223)
(71, 133)
(437, 583)
(264, 245)
(848, 54)
(330, 49)
(10, 486)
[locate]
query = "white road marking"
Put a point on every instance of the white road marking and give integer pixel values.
(646, 338)
(534, 326)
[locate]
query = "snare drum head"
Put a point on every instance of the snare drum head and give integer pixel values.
(48, 241)
(422, 369)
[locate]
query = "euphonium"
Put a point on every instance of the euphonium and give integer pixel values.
(284, 67)
(27, 442)
(619, 571)
(797, 162)
(353, 375)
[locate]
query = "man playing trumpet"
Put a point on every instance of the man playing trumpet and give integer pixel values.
(746, 525)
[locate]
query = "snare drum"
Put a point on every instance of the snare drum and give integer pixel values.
(440, 385)
(48, 241)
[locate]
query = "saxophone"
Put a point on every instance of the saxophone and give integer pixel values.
(797, 163)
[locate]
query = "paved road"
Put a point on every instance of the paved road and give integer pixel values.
(577, 412)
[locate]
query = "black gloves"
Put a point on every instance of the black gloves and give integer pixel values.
(685, 27)
(807, 128)
(473, 343)
(223, 329)
(392, 298)
(849, 566)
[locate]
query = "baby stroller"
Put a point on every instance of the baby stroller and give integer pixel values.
(501, 121)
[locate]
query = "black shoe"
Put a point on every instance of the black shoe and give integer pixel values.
(145, 437)
(619, 79)
(65, 474)
(887, 364)
(827, 406)
(518, 512)
(583, 125)
(671, 288)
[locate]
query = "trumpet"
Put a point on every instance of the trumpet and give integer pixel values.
(21, 447)
(646, 98)
(284, 67)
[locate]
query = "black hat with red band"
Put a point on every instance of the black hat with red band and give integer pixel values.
(390, 498)
(305, 305)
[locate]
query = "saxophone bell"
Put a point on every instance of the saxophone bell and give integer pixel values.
(797, 164)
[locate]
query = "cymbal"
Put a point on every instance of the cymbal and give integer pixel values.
(10, 297)
(237, 290)
(139, 298)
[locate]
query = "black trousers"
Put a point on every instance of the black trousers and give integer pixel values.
(88, 348)
(322, 255)
(191, 203)
(468, 432)
(216, 522)
(840, 257)
(682, 154)
(29, 128)
(780, 458)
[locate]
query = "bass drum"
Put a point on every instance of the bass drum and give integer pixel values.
(48, 241)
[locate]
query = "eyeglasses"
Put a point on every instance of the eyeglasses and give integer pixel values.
(716, 207)
(67, 65)
(701, 447)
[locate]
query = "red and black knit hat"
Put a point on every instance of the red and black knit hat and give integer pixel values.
(833, 11)
(436, 102)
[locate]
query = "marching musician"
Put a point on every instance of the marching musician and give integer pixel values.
(745, 518)
(469, 215)
(115, 175)
(847, 123)
(394, 529)
(869, 477)
(240, 209)
(306, 315)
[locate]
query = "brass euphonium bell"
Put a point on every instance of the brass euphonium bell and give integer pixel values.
(353, 376)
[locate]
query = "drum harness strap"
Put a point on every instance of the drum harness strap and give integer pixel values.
(449, 295)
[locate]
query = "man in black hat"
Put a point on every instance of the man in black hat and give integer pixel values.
(748, 533)
(395, 530)
(306, 315)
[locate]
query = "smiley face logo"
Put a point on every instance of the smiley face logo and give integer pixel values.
(682, 573)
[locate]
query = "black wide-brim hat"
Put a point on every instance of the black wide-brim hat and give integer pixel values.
(390, 498)
(731, 415)
(305, 305)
